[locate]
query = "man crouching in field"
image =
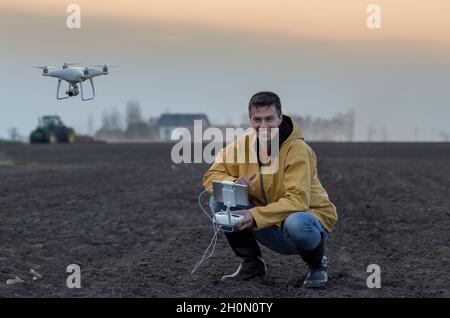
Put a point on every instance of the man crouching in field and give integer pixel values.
(290, 212)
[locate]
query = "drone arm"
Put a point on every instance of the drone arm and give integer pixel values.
(57, 90)
(96, 74)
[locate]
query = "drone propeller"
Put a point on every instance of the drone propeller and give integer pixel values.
(43, 68)
(70, 64)
(53, 66)
(66, 65)
(104, 65)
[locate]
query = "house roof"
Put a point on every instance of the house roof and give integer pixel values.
(181, 120)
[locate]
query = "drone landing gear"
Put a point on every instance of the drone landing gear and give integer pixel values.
(57, 90)
(73, 90)
(93, 90)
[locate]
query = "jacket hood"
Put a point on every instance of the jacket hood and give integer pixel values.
(289, 130)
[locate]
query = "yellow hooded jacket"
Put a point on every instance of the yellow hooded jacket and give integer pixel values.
(294, 186)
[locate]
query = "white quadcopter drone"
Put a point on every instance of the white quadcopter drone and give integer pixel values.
(74, 75)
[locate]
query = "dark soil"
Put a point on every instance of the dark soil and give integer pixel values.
(129, 218)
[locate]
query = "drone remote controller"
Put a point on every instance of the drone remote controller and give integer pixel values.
(222, 218)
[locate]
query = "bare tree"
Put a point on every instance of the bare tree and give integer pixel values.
(134, 114)
(111, 126)
(14, 134)
(106, 122)
(338, 128)
(115, 119)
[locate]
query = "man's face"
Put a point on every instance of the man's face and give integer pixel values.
(263, 119)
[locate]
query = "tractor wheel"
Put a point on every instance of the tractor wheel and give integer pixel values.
(52, 138)
(71, 137)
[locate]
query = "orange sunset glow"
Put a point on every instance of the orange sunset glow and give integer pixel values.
(406, 19)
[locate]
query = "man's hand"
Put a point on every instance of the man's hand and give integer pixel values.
(246, 181)
(248, 220)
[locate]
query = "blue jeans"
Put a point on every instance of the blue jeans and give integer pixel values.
(301, 231)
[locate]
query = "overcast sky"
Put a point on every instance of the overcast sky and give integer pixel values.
(211, 56)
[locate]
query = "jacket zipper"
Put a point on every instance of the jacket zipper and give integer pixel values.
(261, 181)
(261, 184)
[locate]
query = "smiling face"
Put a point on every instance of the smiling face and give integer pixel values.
(265, 117)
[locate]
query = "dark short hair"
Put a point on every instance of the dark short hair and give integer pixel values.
(265, 99)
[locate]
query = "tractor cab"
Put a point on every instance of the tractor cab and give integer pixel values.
(49, 121)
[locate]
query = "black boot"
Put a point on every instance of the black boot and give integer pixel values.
(318, 266)
(248, 269)
(245, 246)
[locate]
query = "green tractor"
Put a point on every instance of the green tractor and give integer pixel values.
(52, 130)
